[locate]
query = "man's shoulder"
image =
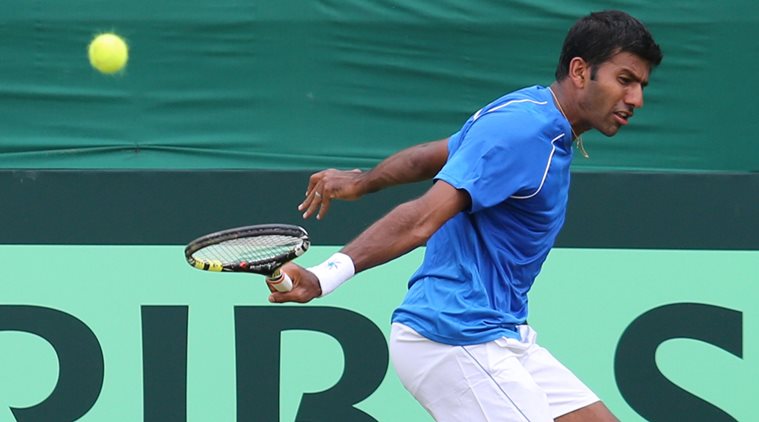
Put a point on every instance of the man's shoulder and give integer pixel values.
(525, 99)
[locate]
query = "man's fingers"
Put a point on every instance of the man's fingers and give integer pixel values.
(313, 187)
(312, 204)
(324, 208)
(313, 199)
(306, 202)
(325, 186)
(282, 297)
(314, 180)
(295, 295)
(305, 286)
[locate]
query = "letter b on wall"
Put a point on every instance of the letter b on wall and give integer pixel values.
(257, 333)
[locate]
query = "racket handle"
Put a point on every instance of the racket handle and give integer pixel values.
(280, 281)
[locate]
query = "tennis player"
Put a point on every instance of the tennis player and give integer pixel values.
(460, 342)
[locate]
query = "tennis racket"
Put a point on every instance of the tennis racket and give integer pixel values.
(260, 249)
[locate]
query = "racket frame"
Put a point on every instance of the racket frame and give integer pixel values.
(268, 267)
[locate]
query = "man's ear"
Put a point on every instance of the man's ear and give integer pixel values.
(579, 72)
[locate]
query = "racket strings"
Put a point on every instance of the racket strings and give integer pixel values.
(248, 250)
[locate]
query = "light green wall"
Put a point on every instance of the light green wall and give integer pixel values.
(581, 305)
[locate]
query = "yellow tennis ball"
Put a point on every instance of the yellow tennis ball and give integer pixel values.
(108, 53)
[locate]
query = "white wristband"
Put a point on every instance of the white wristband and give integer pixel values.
(333, 272)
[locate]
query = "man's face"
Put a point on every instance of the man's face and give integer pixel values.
(609, 99)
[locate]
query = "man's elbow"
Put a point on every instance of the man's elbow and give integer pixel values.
(418, 226)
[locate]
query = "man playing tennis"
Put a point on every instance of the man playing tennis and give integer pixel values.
(459, 341)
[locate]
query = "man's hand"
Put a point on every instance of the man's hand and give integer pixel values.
(305, 286)
(330, 184)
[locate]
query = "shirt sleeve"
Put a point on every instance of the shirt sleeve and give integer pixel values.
(498, 155)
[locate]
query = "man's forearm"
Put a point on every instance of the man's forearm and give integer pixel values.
(413, 164)
(406, 227)
(392, 236)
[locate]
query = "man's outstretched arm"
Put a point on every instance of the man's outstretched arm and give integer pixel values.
(403, 229)
(413, 164)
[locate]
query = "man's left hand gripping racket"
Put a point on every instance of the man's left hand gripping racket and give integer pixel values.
(260, 249)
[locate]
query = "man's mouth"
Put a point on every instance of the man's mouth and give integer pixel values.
(623, 117)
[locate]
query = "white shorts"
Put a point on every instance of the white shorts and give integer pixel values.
(503, 380)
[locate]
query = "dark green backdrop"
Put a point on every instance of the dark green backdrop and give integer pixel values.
(607, 210)
(309, 84)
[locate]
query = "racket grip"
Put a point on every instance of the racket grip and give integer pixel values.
(280, 281)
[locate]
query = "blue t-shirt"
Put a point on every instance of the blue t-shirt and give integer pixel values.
(512, 158)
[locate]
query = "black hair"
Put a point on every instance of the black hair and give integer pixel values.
(599, 36)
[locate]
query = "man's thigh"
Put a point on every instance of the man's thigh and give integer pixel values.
(564, 391)
(482, 382)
